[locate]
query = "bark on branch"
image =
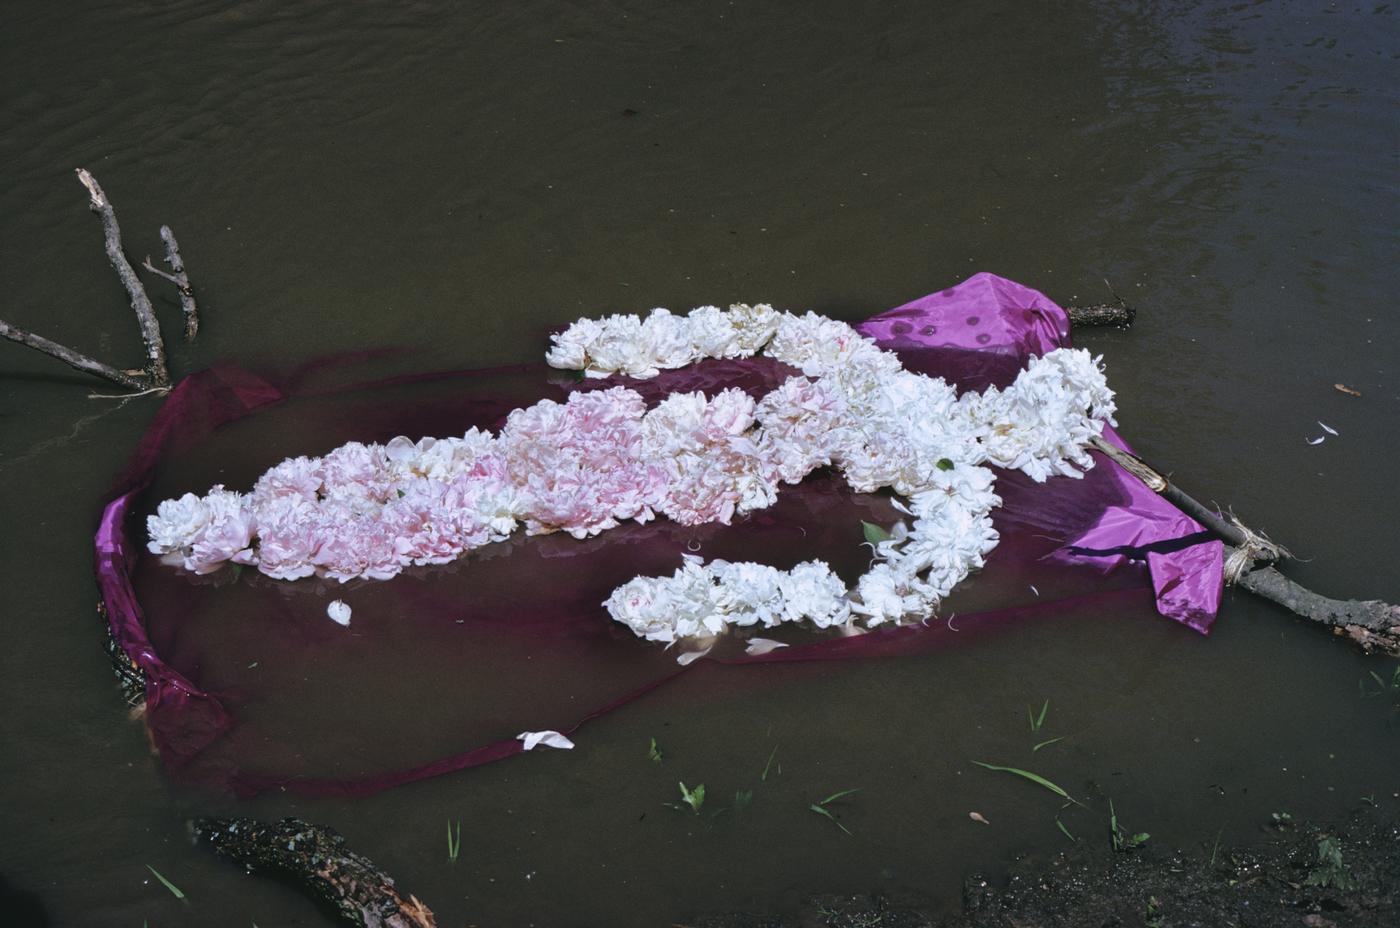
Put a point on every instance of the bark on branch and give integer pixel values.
(316, 857)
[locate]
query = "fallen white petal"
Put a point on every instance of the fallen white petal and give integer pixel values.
(1327, 428)
(977, 817)
(763, 645)
(691, 657)
(1317, 441)
(339, 613)
(1034, 590)
(550, 739)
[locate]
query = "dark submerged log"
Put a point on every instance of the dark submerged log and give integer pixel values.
(316, 857)
(1117, 314)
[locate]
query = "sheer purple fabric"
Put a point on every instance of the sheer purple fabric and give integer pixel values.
(250, 687)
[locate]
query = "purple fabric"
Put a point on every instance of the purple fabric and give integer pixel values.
(251, 688)
(998, 316)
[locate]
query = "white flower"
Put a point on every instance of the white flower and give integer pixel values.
(570, 349)
(176, 523)
(712, 334)
(887, 595)
(753, 326)
(748, 593)
(666, 340)
(812, 592)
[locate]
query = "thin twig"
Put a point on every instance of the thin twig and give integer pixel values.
(140, 303)
(72, 358)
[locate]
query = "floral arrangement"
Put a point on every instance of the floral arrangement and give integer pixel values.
(603, 457)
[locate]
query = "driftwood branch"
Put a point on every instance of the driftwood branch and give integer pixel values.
(73, 358)
(156, 377)
(317, 857)
(180, 279)
(140, 303)
(1370, 623)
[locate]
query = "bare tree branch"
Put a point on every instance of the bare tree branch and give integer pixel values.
(140, 303)
(72, 358)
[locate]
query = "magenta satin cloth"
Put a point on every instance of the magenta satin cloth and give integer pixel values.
(251, 688)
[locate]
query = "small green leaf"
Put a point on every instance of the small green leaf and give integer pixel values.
(1061, 825)
(945, 464)
(654, 752)
(874, 534)
(1044, 744)
(174, 890)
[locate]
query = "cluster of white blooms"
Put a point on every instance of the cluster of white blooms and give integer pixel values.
(662, 341)
(700, 600)
(856, 408)
(586, 465)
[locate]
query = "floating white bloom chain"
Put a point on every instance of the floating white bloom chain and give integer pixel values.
(602, 457)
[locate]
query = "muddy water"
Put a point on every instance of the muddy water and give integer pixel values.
(453, 180)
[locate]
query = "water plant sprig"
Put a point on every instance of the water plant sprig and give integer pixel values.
(821, 807)
(654, 753)
(1037, 721)
(1122, 840)
(454, 842)
(695, 798)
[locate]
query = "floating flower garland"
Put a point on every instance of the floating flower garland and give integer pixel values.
(602, 457)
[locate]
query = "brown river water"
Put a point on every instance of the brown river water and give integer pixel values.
(454, 179)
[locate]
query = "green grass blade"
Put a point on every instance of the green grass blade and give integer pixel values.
(835, 796)
(1041, 719)
(174, 890)
(1033, 777)
(766, 767)
(1046, 744)
(1065, 831)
